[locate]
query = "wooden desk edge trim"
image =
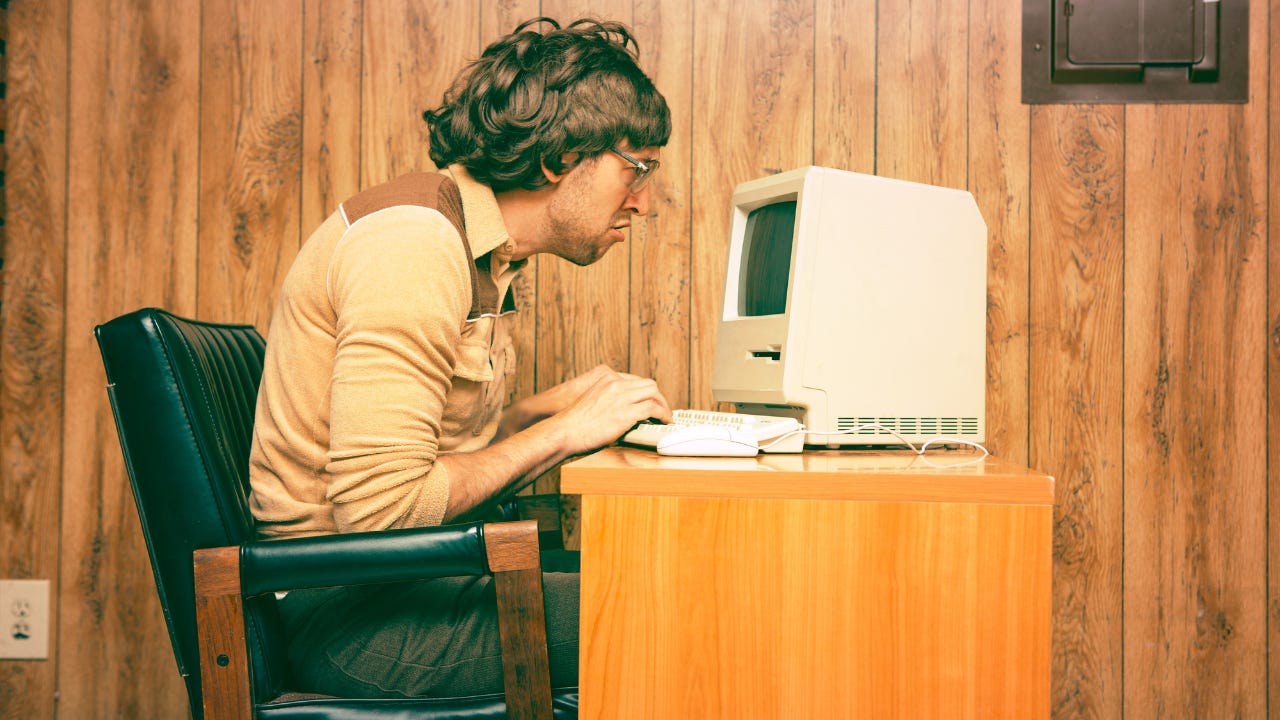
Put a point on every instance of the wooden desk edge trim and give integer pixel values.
(1030, 490)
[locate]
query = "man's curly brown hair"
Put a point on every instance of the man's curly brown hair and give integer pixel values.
(544, 91)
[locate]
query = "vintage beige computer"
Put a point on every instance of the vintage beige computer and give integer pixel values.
(856, 303)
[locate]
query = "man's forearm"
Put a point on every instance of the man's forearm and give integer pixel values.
(522, 415)
(597, 408)
(502, 468)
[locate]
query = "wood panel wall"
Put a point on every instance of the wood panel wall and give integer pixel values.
(177, 153)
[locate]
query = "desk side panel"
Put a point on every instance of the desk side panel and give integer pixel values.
(781, 609)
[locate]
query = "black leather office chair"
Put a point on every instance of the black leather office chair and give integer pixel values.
(183, 394)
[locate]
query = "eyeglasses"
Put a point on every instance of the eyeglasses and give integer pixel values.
(644, 170)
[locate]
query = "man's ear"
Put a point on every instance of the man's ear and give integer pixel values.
(568, 161)
(551, 176)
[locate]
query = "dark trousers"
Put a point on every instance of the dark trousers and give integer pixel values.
(421, 639)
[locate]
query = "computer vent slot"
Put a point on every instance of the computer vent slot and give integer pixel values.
(921, 426)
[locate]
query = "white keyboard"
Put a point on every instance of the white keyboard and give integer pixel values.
(765, 429)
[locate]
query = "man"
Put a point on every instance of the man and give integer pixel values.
(381, 398)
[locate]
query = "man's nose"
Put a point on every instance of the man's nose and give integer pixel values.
(638, 202)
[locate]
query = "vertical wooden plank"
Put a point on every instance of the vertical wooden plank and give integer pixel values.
(412, 52)
(1258, 58)
(583, 312)
(1195, 475)
(661, 242)
(752, 107)
(250, 156)
(922, 67)
(844, 70)
(497, 20)
(4, 75)
(331, 108)
(998, 170)
(131, 243)
(1076, 315)
(31, 324)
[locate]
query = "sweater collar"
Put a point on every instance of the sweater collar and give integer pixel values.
(486, 231)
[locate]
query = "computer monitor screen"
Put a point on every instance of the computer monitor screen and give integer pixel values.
(766, 260)
(857, 304)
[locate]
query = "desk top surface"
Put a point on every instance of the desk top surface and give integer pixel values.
(877, 475)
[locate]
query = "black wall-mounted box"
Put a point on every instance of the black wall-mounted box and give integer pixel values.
(1135, 51)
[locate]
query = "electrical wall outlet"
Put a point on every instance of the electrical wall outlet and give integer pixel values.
(24, 619)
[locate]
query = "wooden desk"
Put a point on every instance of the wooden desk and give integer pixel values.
(833, 584)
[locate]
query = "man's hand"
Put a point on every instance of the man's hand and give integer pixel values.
(608, 407)
(551, 401)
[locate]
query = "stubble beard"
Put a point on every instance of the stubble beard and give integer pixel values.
(571, 234)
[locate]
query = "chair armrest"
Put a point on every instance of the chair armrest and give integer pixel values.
(224, 576)
(362, 558)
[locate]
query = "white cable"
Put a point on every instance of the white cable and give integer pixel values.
(782, 437)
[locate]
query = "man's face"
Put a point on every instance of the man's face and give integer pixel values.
(593, 204)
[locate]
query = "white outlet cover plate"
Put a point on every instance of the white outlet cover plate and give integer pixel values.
(24, 619)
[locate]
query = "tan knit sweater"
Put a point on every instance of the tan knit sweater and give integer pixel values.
(389, 346)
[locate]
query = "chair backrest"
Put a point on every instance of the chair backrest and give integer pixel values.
(183, 393)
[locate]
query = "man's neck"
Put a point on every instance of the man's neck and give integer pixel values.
(524, 213)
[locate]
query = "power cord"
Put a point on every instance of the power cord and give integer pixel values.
(921, 450)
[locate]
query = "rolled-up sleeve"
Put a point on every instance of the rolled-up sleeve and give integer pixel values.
(399, 282)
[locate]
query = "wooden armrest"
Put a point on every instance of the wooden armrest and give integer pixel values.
(224, 662)
(522, 626)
